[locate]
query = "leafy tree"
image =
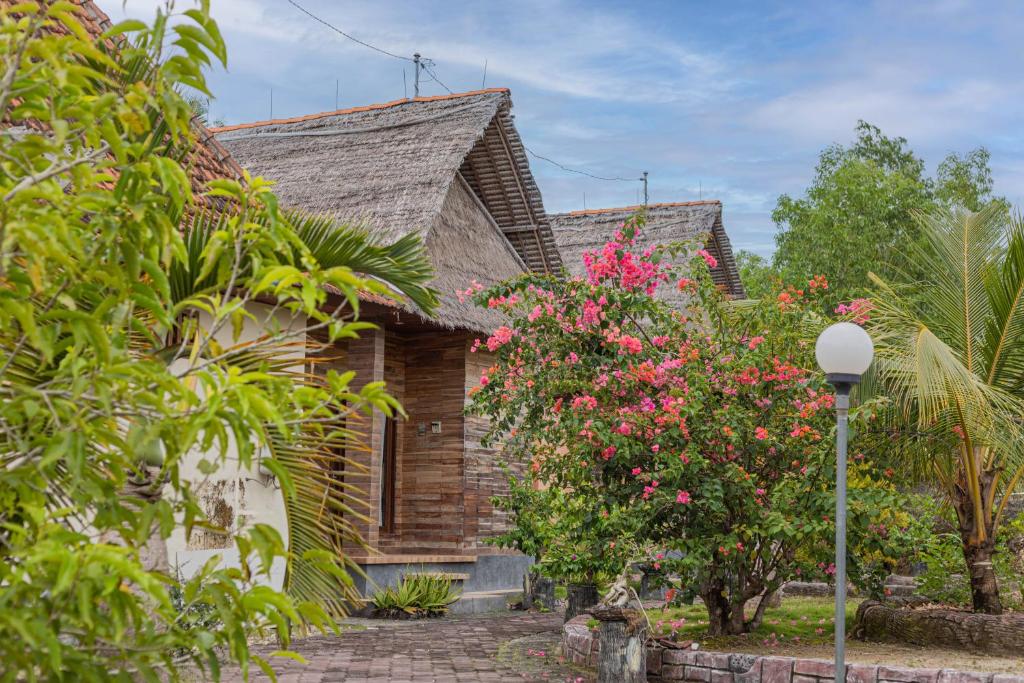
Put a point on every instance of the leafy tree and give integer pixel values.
(857, 216)
(698, 437)
(122, 301)
(950, 364)
(756, 273)
(967, 181)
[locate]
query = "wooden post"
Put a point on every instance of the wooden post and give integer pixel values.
(544, 592)
(580, 597)
(623, 637)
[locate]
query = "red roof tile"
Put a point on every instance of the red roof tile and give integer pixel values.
(208, 160)
(352, 110)
(587, 212)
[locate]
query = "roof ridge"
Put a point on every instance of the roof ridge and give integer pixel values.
(637, 207)
(353, 110)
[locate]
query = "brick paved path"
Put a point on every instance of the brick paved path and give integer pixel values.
(470, 649)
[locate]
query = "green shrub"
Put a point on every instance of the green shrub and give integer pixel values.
(943, 579)
(418, 595)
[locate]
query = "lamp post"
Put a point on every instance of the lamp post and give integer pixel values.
(844, 352)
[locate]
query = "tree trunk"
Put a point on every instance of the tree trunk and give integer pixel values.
(137, 494)
(948, 628)
(978, 553)
(984, 588)
(543, 593)
(719, 610)
(623, 655)
(724, 617)
(581, 597)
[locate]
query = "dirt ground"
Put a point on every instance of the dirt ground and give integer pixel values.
(860, 652)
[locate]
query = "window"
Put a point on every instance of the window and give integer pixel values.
(388, 477)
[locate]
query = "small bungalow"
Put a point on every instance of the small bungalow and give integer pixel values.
(580, 231)
(453, 170)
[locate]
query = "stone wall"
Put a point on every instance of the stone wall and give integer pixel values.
(580, 646)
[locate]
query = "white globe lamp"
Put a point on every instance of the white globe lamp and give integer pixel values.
(844, 351)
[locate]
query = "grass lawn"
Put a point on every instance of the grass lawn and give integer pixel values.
(802, 627)
(798, 620)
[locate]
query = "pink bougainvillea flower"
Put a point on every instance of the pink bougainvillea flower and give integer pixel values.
(683, 497)
(760, 433)
(708, 258)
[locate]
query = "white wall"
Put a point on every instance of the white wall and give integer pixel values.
(233, 497)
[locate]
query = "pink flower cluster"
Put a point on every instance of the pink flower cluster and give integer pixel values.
(503, 335)
(615, 262)
(708, 258)
(859, 310)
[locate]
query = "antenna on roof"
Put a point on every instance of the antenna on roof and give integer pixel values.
(700, 189)
(584, 201)
(405, 85)
(416, 82)
(337, 89)
(271, 103)
(645, 188)
(483, 83)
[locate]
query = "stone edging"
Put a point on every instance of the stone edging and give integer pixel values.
(580, 646)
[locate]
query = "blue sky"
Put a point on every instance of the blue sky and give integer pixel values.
(722, 100)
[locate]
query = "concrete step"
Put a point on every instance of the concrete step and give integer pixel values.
(484, 601)
(450, 576)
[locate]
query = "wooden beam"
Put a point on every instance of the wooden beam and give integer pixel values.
(522, 191)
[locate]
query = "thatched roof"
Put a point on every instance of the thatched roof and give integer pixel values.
(206, 161)
(589, 230)
(394, 166)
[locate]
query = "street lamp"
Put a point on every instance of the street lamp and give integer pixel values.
(844, 352)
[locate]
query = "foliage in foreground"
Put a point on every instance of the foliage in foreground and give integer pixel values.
(697, 441)
(121, 357)
(417, 595)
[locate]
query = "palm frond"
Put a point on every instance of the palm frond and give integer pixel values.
(402, 265)
(1003, 349)
(940, 350)
(958, 253)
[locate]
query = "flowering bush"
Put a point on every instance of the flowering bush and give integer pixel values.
(701, 435)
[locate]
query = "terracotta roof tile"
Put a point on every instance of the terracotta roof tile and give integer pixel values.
(209, 159)
(353, 110)
(589, 212)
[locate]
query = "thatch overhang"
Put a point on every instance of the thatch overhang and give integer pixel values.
(398, 167)
(207, 160)
(589, 230)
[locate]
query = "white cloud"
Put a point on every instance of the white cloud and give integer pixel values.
(829, 111)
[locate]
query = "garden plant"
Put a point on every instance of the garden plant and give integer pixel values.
(950, 373)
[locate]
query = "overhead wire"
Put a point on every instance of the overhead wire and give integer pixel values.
(437, 80)
(575, 170)
(338, 30)
(426, 64)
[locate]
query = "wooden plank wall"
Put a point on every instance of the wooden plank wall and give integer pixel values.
(444, 481)
(484, 476)
(432, 507)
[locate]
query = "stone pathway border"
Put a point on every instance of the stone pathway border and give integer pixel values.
(580, 646)
(460, 649)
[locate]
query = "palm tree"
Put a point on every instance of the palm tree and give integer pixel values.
(950, 358)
